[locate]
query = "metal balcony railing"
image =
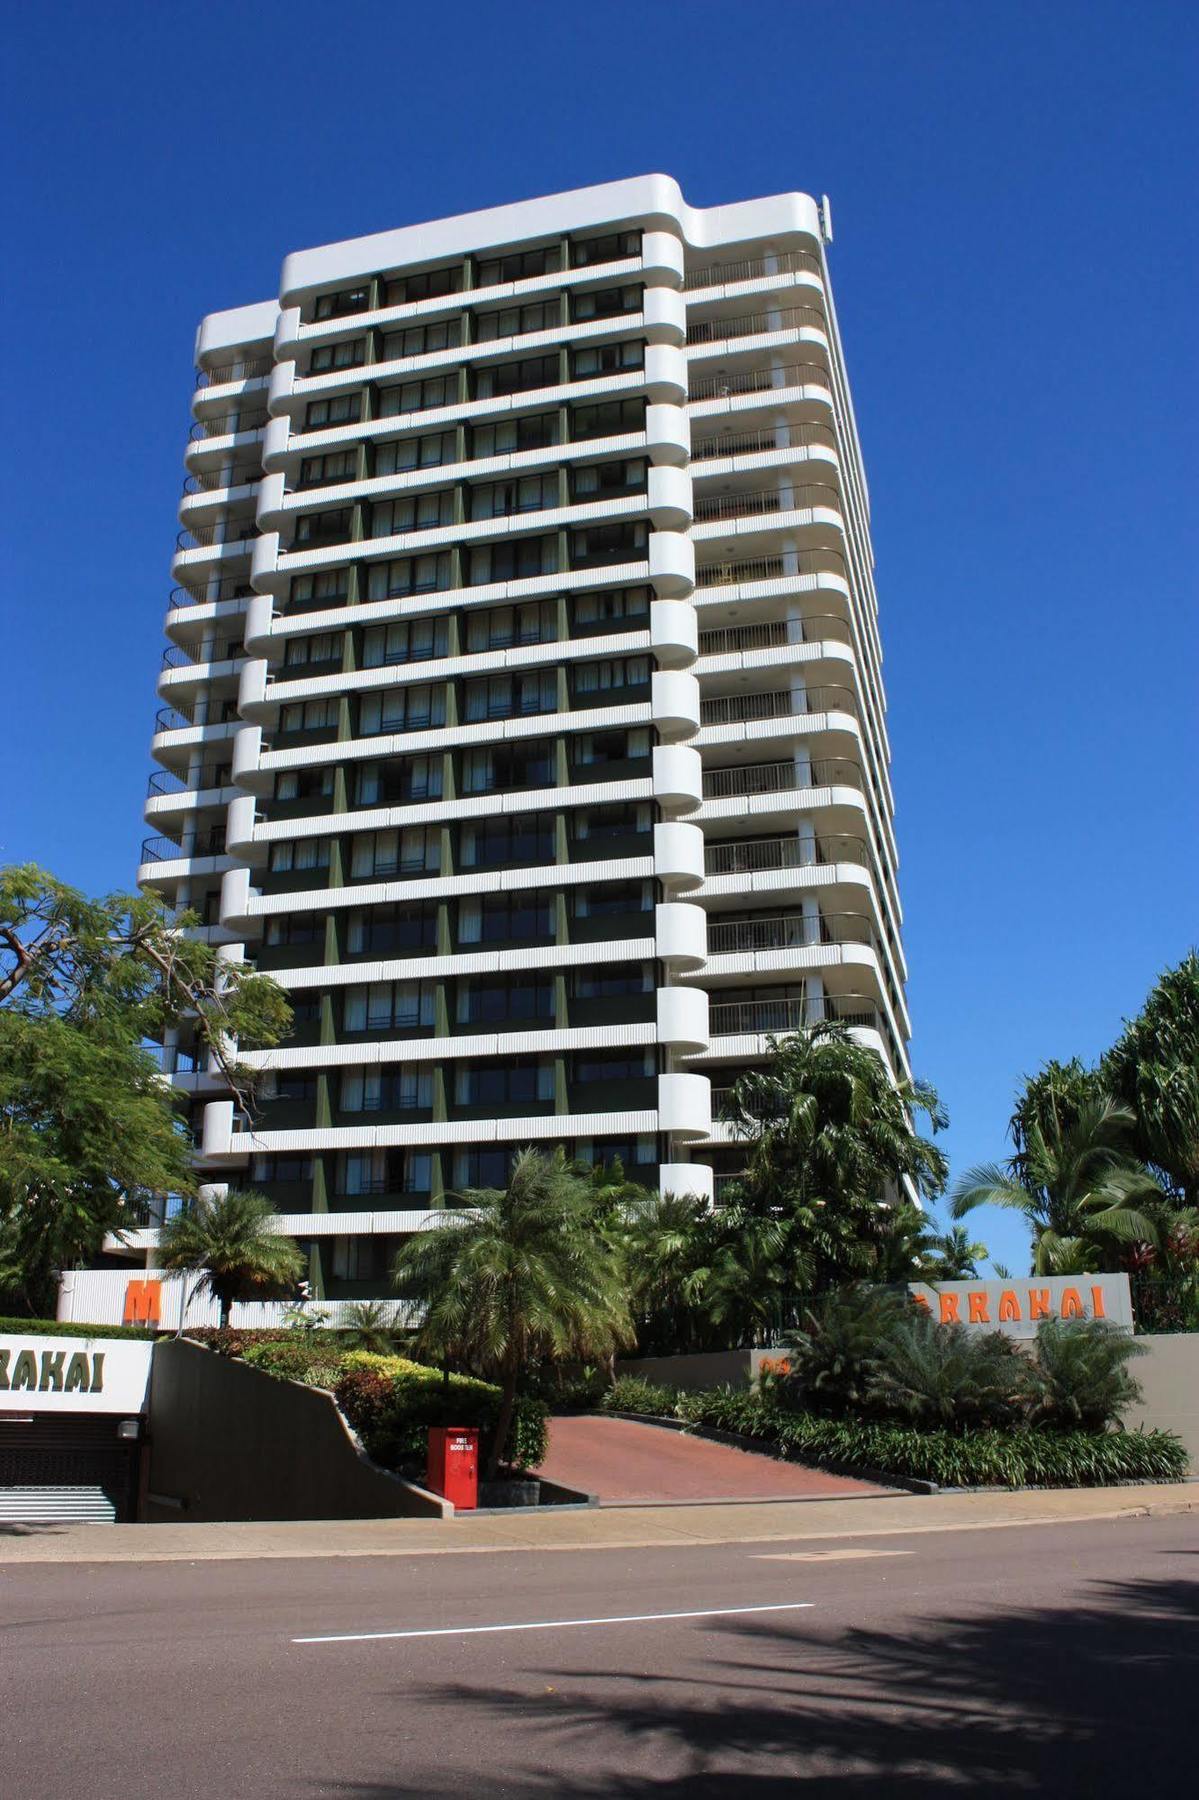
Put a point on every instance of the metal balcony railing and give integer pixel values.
(780, 777)
(751, 1018)
(784, 318)
(242, 368)
(231, 424)
(205, 712)
(211, 481)
(773, 437)
(201, 843)
(790, 931)
(737, 709)
(754, 381)
(786, 262)
(229, 587)
(773, 634)
(766, 500)
(176, 656)
(222, 531)
(212, 775)
(753, 856)
(769, 568)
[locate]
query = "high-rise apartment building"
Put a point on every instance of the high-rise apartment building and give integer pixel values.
(522, 705)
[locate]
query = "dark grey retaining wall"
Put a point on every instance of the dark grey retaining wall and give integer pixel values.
(227, 1441)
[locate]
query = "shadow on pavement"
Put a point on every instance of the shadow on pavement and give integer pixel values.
(1093, 1700)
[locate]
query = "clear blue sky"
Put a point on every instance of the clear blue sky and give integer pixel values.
(1013, 192)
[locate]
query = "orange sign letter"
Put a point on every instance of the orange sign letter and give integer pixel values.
(978, 1310)
(949, 1309)
(1009, 1306)
(1072, 1304)
(1038, 1303)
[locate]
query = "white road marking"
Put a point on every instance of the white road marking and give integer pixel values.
(707, 1612)
(823, 1555)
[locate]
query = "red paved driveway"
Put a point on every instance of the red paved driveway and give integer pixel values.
(622, 1462)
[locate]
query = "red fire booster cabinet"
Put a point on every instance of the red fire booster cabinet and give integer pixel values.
(453, 1467)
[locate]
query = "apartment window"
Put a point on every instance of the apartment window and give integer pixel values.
(329, 588)
(487, 1168)
(605, 303)
(426, 452)
(613, 246)
(517, 560)
(383, 930)
(597, 823)
(290, 1084)
(504, 1083)
(508, 436)
(517, 265)
(609, 418)
(362, 1258)
(590, 360)
(612, 603)
(409, 640)
(423, 339)
(615, 1065)
(419, 395)
(492, 1000)
(412, 512)
(505, 918)
(609, 480)
(523, 493)
(304, 784)
(428, 284)
(501, 627)
(378, 854)
(321, 647)
(288, 1169)
(340, 305)
(511, 839)
(592, 749)
(318, 528)
(308, 715)
(387, 1089)
(510, 696)
(347, 353)
(389, 1005)
(338, 409)
(516, 377)
(295, 929)
(323, 471)
(609, 899)
(610, 673)
(428, 574)
(596, 545)
(503, 768)
(607, 981)
(307, 853)
(628, 1152)
(414, 708)
(515, 321)
(398, 782)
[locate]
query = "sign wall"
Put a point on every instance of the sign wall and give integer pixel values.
(1018, 1307)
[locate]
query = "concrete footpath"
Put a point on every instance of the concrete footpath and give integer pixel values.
(615, 1528)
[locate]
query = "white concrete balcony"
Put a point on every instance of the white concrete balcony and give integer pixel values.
(738, 278)
(675, 704)
(681, 931)
(668, 433)
(671, 563)
(685, 1106)
(668, 498)
(679, 855)
(678, 777)
(692, 1179)
(673, 633)
(713, 392)
(682, 1019)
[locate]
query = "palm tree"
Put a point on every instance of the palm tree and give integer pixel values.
(950, 1255)
(666, 1248)
(1154, 1069)
(233, 1242)
(514, 1275)
(1076, 1185)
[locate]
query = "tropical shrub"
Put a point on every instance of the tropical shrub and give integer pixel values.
(55, 1328)
(315, 1358)
(391, 1403)
(834, 1353)
(633, 1394)
(947, 1377)
(1080, 1378)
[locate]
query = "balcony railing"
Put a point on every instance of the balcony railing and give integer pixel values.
(773, 437)
(223, 531)
(786, 262)
(766, 500)
(785, 318)
(773, 634)
(229, 587)
(243, 368)
(779, 777)
(739, 709)
(768, 568)
(754, 856)
(173, 718)
(791, 931)
(754, 381)
(230, 424)
(752, 1018)
(212, 775)
(176, 656)
(202, 843)
(211, 481)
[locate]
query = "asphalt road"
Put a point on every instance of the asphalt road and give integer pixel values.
(1051, 1659)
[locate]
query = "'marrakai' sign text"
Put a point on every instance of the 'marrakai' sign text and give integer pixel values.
(70, 1374)
(1019, 1307)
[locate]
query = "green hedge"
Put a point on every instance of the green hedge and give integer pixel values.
(306, 1356)
(982, 1458)
(391, 1403)
(52, 1328)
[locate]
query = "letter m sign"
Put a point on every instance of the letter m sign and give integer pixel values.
(143, 1303)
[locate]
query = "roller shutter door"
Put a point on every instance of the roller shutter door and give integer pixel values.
(56, 1466)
